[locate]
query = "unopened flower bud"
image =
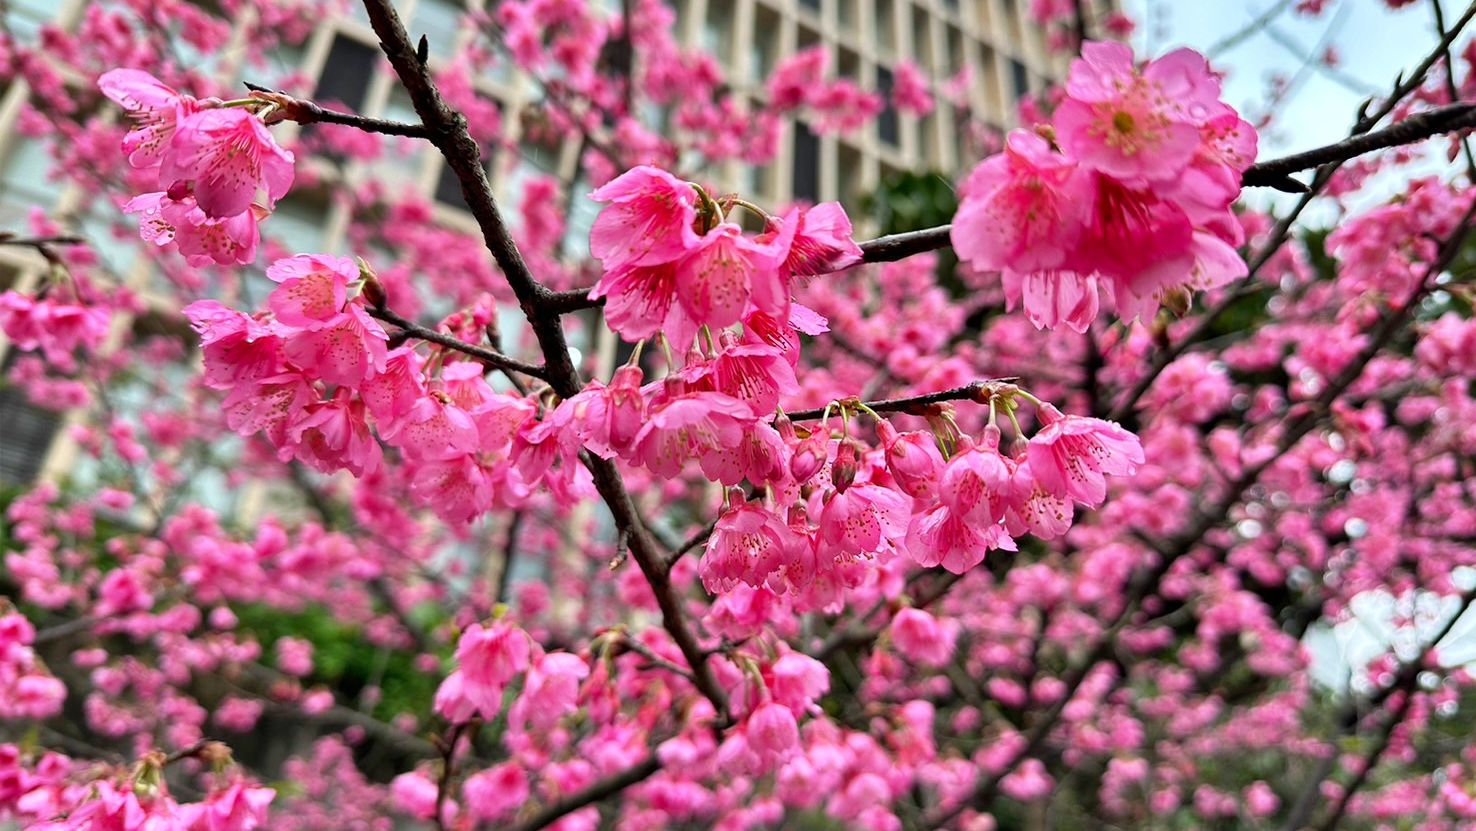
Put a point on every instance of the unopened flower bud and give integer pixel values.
(373, 289)
(808, 457)
(843, 471)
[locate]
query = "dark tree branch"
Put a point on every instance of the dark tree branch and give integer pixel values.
(509, 556)
(696, 540)
(302, 111)
(977, 392)
(9, 238)
(602, 789)
(1447, 119)
(488, 356)
(448, 132)
(1441, 31)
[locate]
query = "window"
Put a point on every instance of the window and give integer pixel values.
(812, 5)
(806, 181)
(347, 73)
(717, 30)
(886, 29)
(1019, 79)
(29, 429)
(23, 181)
(807, 38)
(850, 162)
(846, 17)
(765, 45)
(886, 124)
(438, 20)
(956, 59)
(922, 40)
(299, 221)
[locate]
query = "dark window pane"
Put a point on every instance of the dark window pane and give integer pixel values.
(346, 74)
(448, 187)
(1020, 78)
(806, 164)
(26, 431)
(812, 5)
(886, 123)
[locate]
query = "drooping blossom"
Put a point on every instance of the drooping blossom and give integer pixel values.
(748, 544)
(487, 657)
(1071, 456)
(1132, 203)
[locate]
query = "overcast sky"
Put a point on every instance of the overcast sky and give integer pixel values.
(1373, 44)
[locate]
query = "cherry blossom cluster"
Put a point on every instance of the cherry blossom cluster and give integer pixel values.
(134, 800)
(27, 690)
(219, 170)
(1124, 196)
(54, 326)
(674, 261)
(938, 495)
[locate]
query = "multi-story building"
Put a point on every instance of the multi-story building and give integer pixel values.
(994, 39)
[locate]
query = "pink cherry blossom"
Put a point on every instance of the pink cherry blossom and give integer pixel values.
(648, 220)
(1021, 210)
(687, 427)
(489, 657)
(748, 544)
(863, 518)
(1071, 455)
(229, 156)
(312, 288)
(155, 108)
(921, 638)
(1140, 126)
(496, 792)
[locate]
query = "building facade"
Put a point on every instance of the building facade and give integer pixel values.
(993, 40)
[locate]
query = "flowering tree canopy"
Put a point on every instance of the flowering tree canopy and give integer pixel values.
(719, 516)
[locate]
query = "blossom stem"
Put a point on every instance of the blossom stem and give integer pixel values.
(752, 208)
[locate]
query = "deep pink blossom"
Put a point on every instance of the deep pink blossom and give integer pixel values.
(155, 108)
(748, 544)
(229, 156)
(923, 639)
(312, 288)
(488, 658)
(1071, 455)
(687, 427)
(647, 221)
(1132, 125)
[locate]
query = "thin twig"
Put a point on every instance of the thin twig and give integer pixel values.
(489, 356)
(1447, 119)
(692, 542)
(302, 111)
(509, 556)
(602, 789)
(976, 391)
